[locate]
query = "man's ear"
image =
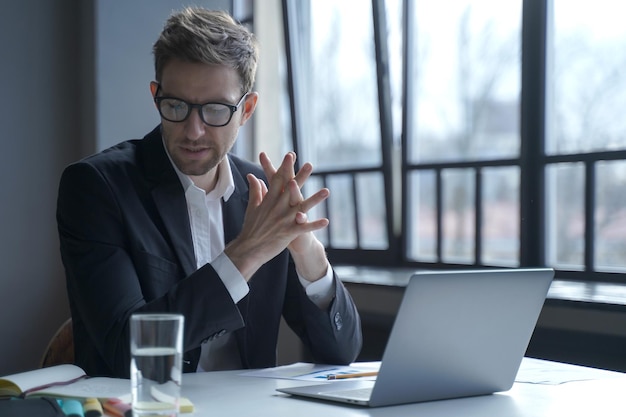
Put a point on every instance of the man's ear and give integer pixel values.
(153, 88)
(249, 104)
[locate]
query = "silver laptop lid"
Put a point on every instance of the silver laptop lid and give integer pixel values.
(460, 333)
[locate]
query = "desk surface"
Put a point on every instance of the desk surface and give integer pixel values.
(230, 393)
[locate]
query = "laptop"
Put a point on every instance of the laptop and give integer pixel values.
(456, 334)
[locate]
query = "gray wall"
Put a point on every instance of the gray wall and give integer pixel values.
(74, 79)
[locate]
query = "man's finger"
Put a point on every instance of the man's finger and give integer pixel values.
(303, 174)
(295, 195)
(314, 200)
(267, 165)
(256, 189)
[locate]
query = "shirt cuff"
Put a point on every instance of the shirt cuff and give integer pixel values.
(322, 291)
(234, 282)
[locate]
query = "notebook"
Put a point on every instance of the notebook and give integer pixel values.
(456, 334)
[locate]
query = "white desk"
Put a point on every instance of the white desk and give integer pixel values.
(230, 394)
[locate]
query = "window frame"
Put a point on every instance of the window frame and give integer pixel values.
(532, 160)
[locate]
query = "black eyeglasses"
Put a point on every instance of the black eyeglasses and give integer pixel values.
(213, 114)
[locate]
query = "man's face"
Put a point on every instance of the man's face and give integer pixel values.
(195, 147)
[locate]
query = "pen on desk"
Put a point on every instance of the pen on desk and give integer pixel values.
(353, 375)
(92, 408)
(118, 407)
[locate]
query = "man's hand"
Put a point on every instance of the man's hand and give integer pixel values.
(276, 218)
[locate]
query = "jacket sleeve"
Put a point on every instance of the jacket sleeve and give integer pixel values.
(334, 335)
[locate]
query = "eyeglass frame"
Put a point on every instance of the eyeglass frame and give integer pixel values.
(190, 106)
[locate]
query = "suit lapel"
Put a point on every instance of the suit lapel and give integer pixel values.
(169, 198)
(173, 211)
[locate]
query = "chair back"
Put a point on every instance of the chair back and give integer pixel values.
(60, 349)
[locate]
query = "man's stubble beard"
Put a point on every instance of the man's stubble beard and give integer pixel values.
(199, 168)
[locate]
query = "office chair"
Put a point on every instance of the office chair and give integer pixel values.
(60, 349)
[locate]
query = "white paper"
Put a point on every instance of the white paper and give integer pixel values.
(537, 371)
(303, 371)
(98, 387)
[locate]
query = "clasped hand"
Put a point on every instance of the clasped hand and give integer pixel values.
(276, 218)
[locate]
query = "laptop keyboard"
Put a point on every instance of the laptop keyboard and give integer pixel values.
(361, 394)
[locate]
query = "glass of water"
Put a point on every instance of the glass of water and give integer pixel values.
(156, 347)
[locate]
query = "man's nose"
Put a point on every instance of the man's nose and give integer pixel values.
(194, 125)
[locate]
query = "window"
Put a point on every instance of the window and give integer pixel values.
(586, 138)
(337, 120)
(463, 133)
(476, 133)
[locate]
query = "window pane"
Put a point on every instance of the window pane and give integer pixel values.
(340, 203)
(565, 196)
(610, 221)
(422, 217)
(588, 77)
(466, 80)
(500, 220)
(337, 91)
(371, 209)
(459, 224)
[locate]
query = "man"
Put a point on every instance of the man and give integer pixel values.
(174, 223)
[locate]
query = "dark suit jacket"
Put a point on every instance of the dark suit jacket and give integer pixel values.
(126, 246)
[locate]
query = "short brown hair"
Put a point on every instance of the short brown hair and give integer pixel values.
(207, 36)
